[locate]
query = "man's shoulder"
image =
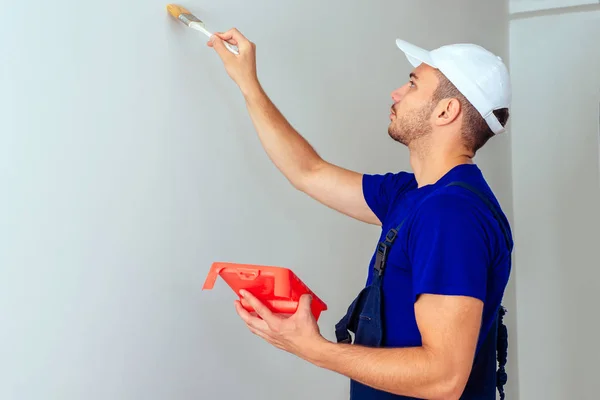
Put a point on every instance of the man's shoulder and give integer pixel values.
(382, 190)
(470, 205)
(397, 178)
(464, 193)
(472, 186)
(446, 204)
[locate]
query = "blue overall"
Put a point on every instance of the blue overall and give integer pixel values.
(364, 319)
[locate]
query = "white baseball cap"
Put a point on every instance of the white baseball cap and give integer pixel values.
(477, 73)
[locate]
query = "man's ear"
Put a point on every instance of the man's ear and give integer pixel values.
(447, 111)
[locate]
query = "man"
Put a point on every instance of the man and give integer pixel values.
(425, 326)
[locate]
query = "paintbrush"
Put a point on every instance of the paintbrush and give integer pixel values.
(194, 22)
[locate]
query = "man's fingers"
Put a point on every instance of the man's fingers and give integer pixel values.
(258, 332)
(233, 34)
(230, 41)
(226, 38)
(235, 37)
(262, 310)
(249, 319)
(220, 48)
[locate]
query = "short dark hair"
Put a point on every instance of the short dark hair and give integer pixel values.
(476, 131)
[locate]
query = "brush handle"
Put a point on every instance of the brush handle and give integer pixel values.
(232, 48)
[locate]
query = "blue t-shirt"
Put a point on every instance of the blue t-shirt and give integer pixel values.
(450, 244)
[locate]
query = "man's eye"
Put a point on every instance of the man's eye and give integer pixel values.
(412, 84)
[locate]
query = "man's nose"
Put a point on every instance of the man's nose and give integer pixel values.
(399, 93)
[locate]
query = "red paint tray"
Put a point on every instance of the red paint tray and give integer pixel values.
(277, 287)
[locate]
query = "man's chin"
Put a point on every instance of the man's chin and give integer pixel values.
(396, 137)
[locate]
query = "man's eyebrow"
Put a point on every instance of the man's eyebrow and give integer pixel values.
(412, 75)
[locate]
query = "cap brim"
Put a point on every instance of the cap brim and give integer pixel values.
(415, 54)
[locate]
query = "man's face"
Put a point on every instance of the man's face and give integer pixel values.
(411, 112)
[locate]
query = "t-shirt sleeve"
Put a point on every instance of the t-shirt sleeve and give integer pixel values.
(380, 190)
(449, 248)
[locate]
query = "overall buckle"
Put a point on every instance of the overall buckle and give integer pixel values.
(381, 257)
(391, 235)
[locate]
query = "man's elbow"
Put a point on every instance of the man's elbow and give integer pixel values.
(445, 386)
(451, 387)
(305, 176)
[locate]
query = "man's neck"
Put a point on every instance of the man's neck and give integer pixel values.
(433, 165)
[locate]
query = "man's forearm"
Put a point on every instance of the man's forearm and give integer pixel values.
(288, 150)
(412, 371)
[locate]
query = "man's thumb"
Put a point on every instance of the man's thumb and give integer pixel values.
(305, 301)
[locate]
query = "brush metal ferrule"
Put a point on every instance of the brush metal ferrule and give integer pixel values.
(188, 19)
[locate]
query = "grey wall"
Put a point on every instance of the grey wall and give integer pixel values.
(128, 165)
(556, 78)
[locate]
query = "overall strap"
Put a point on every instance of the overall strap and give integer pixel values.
(502, 339)
(490, 205)
(383, 248)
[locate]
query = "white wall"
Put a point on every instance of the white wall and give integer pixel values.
(519, 6)
(556, 79)
(128, 165)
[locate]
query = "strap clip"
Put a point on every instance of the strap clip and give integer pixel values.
(381, 257)
(391, 235)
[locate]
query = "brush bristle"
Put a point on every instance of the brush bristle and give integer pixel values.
(176, 10)
(183, 15)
